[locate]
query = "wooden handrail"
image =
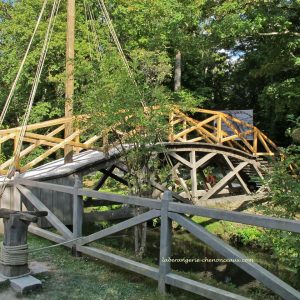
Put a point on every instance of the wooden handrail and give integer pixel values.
(211, 129)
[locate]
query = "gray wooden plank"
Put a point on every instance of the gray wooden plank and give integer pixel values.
(146, 202)
(180, 159)
(46, 185)
(48, 196)
(41, 207)
(120, 226)
(121, 262)
(264, 276)
(37, 192)
(237, 217)
(201, 289)
(69, 200)
(57, 204)
(77, 209)
(114, 214)
(193, 173)
(205, 159)
(51, 236)
(165, 242)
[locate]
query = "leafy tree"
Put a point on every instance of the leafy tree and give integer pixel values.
(264, 38)
(284, 202)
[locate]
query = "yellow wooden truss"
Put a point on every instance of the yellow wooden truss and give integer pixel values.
(205, 126)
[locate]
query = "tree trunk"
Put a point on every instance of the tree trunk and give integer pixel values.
(177, 75)
(140, 236)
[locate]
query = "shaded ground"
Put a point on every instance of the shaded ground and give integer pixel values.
(88, 279)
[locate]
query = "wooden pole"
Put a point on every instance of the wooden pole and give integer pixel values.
(177, 75)
(165, 243)
(69, 94)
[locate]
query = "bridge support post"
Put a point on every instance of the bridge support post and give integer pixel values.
(77, 214)
(165, 243)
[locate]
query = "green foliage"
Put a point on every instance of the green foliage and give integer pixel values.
(284, 201)
(248, 236)
(239, 54)
(264, 38)
(43, 111)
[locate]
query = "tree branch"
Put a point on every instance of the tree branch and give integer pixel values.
(279, 33)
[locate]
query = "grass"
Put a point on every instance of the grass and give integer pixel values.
(89, 279)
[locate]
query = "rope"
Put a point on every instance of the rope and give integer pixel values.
(119, 47)
(41, 62)
(14, 255)
(94, 31)
(125, 61)
(88, 29)
(13, 88)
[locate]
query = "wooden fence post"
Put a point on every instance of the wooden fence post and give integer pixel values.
(77, 211)
(165, 243)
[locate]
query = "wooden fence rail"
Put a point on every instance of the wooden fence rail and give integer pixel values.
(168, 211)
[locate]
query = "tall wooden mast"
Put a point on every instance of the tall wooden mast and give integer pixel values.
(69, 93)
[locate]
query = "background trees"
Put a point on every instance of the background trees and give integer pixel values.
(235, 54)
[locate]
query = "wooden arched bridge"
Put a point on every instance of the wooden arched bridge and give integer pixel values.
(200, 145)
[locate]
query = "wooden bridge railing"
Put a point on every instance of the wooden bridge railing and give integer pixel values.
(219, 128)
(168, 211)
(44, 139)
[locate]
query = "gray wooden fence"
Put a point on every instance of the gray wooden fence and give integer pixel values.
(168, 211)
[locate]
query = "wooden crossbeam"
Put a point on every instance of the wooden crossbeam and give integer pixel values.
(49, 152)
(56, 140)
(264, 143)
(181, 159)
(36, 126)
(120, 226)
(238, 134)
(7, 137)
(264, 276)
(51, 218)
(233, 137)
(204, 160)
(36, 144)
(224, 181)
(238, 176)
(196, 126)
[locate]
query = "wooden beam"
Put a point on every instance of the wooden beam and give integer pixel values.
(224, 181)
(202, 289)
(48, 152)
(56, 139)
(180, 159)
(238, 134)
(268, 279)
(264, 144)
(45, 185)
(55, 222)
(205, 159)
(165, 242)
(237, 217)
(108, 215)
(69, 88)
(36, 126)
(145, 202)
(219, 129)
(119, 227)
(36, 144)
(193, 173)
(120, 261)
(238, 176)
